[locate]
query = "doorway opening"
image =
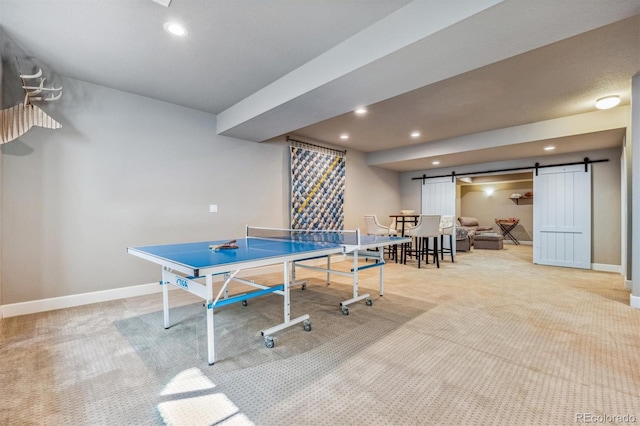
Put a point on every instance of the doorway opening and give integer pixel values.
(507, 197)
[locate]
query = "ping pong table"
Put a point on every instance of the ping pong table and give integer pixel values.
(192, 267)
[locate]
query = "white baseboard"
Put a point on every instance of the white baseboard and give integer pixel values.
(43, 305)
(634, 301)
(522, 243)
(606, 267)
(628, 284)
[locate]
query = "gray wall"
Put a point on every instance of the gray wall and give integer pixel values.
(370, 190)
(606, 209)
(606, 201)
(127, 170)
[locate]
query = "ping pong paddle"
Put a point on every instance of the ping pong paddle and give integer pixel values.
(225, 246)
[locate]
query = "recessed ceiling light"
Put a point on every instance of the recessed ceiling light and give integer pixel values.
(435, 163)
(549, 148)
(344, 136)
(361, 111)
(175, 29)
(415, 134)
(608, 102)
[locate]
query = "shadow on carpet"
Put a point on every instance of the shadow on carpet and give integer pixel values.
(248, 373)
(238, 341)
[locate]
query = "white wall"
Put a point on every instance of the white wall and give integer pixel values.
(126, 170)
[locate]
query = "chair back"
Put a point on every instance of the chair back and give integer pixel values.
(428, 226)
(446, 225)
(373, 227)
(371, 224)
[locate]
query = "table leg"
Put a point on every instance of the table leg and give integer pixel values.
(401, 246)
(355, 274)
(287, 306)
(506, 232)
(211, 354)
(165, 299)
(382, 270)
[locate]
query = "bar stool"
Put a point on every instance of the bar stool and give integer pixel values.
(373, 227)
(446, 229)
(428, 228)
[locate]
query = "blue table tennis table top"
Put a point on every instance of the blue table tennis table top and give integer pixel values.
(197, 256)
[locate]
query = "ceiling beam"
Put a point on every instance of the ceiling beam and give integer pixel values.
(590, 122)
(418, 45)
(402, 28)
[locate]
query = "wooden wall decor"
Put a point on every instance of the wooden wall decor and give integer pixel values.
(17, 120)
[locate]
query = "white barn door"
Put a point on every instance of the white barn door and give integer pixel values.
(562, 216)
(439, 197)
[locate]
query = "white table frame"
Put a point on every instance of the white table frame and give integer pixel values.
(187, 279)
(362, 251)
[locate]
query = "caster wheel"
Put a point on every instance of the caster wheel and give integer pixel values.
(307, 325)
(345, 310)
(304, 286)
(268, 342)
(368, 301)
(244, 303)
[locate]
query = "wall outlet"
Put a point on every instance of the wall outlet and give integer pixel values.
(213, 208)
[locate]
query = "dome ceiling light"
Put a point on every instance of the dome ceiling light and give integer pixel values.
(608, 102)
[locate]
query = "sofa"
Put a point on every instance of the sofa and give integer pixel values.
(471, 225)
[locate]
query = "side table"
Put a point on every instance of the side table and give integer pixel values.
(506, 226)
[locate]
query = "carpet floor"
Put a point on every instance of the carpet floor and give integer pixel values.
(488, 340)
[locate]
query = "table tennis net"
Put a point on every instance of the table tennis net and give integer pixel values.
(344, 237)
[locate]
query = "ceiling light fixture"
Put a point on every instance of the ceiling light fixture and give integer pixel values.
(549, 148)
(608, 102)
(361, 110)
(415, 134)
(344, 136)
(175, 29)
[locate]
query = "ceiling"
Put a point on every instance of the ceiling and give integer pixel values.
(481, 80)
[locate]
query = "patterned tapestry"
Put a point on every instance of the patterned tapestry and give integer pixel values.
(317, 188)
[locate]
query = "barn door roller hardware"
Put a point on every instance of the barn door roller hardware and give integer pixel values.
(536, 166)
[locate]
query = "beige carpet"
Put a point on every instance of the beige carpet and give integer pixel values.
(491, 340)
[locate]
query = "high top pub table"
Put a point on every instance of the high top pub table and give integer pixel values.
(506, 226)
(405, 218)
